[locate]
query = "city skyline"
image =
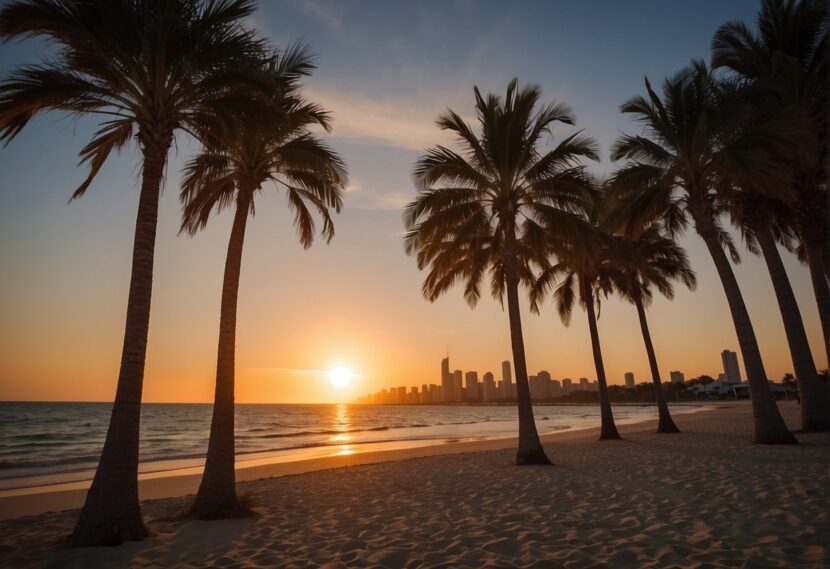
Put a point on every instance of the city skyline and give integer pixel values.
(463, 386)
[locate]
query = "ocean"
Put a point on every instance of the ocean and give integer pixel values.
(48, 443)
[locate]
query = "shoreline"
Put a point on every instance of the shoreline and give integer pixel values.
(706, 497)
(181, 481)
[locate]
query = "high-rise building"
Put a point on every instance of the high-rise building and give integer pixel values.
(629, 380)
(567, 386)
(488, 387)
(472, 393)
(447, 391)
(506, 380)
(458, 385)
(555, 388)
(583, 384)
(544, 376)
(730, 366)
(434, 393)
(677, 376)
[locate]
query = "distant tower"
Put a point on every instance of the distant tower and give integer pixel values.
(457, 384)
(629, 380)
(447, 391)
(677, 377)
(506, 379)
(730, 366)
(584, 384)
(488, 387)
(472, 385)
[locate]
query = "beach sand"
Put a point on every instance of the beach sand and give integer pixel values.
(703, 498)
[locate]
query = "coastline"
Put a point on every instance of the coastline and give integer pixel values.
(180, 481)
(706, 497)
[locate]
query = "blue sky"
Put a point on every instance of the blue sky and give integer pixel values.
(385, 70)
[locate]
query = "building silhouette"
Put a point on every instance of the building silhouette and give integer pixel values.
(629, 381)
(447, 390)
(677, 377)
(731, 370)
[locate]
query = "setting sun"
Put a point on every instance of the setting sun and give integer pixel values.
(340, 377)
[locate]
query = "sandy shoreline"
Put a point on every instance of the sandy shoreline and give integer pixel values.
(704, 498)
(174, 482)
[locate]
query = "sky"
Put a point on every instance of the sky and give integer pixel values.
(385, 71)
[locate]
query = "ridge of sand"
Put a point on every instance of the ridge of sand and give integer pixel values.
(702, 498)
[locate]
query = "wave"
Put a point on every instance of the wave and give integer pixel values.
(8, 463)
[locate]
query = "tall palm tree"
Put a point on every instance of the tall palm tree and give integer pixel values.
(787, 58)
(584, 270)
(149, 68)
(686, 153)
(645, 261)
(486, 208)
(275, 152)
(764, 222)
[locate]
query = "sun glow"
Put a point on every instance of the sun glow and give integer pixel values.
(340, 377)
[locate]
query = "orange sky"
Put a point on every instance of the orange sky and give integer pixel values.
(355, 302)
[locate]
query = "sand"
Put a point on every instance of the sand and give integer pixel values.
(703, 498)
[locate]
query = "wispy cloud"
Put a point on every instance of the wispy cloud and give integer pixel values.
(328, 12)
(387, 121)
(295, 371)
(360, 197)
(290, 370)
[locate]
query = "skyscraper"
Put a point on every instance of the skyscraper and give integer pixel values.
(506, 380)
(447, 391)
(583, 384)
(472, 393)
(730, 366)
(567, 386)
(488, 387)
(457, 385)
(677, 376)
(629, 380)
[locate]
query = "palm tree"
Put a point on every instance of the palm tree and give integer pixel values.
(279, 153)
(787, 59)
(583, 270)
(687, 152)
(148, 68)
(485, 209)
(764, 222)
(644, 261)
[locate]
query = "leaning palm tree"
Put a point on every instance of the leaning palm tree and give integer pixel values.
(584, 271)
(483, 210)
(149, 69)
(688, 151)
(764, 223)
(786, 58)
(276, 151)
(644, 261)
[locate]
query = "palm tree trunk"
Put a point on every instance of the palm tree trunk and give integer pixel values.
(665, 423)
(111, 513)
(813, 401)
(608, 429)
(530, 447)
(769, 425)
(216, 498)
(821, 291)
